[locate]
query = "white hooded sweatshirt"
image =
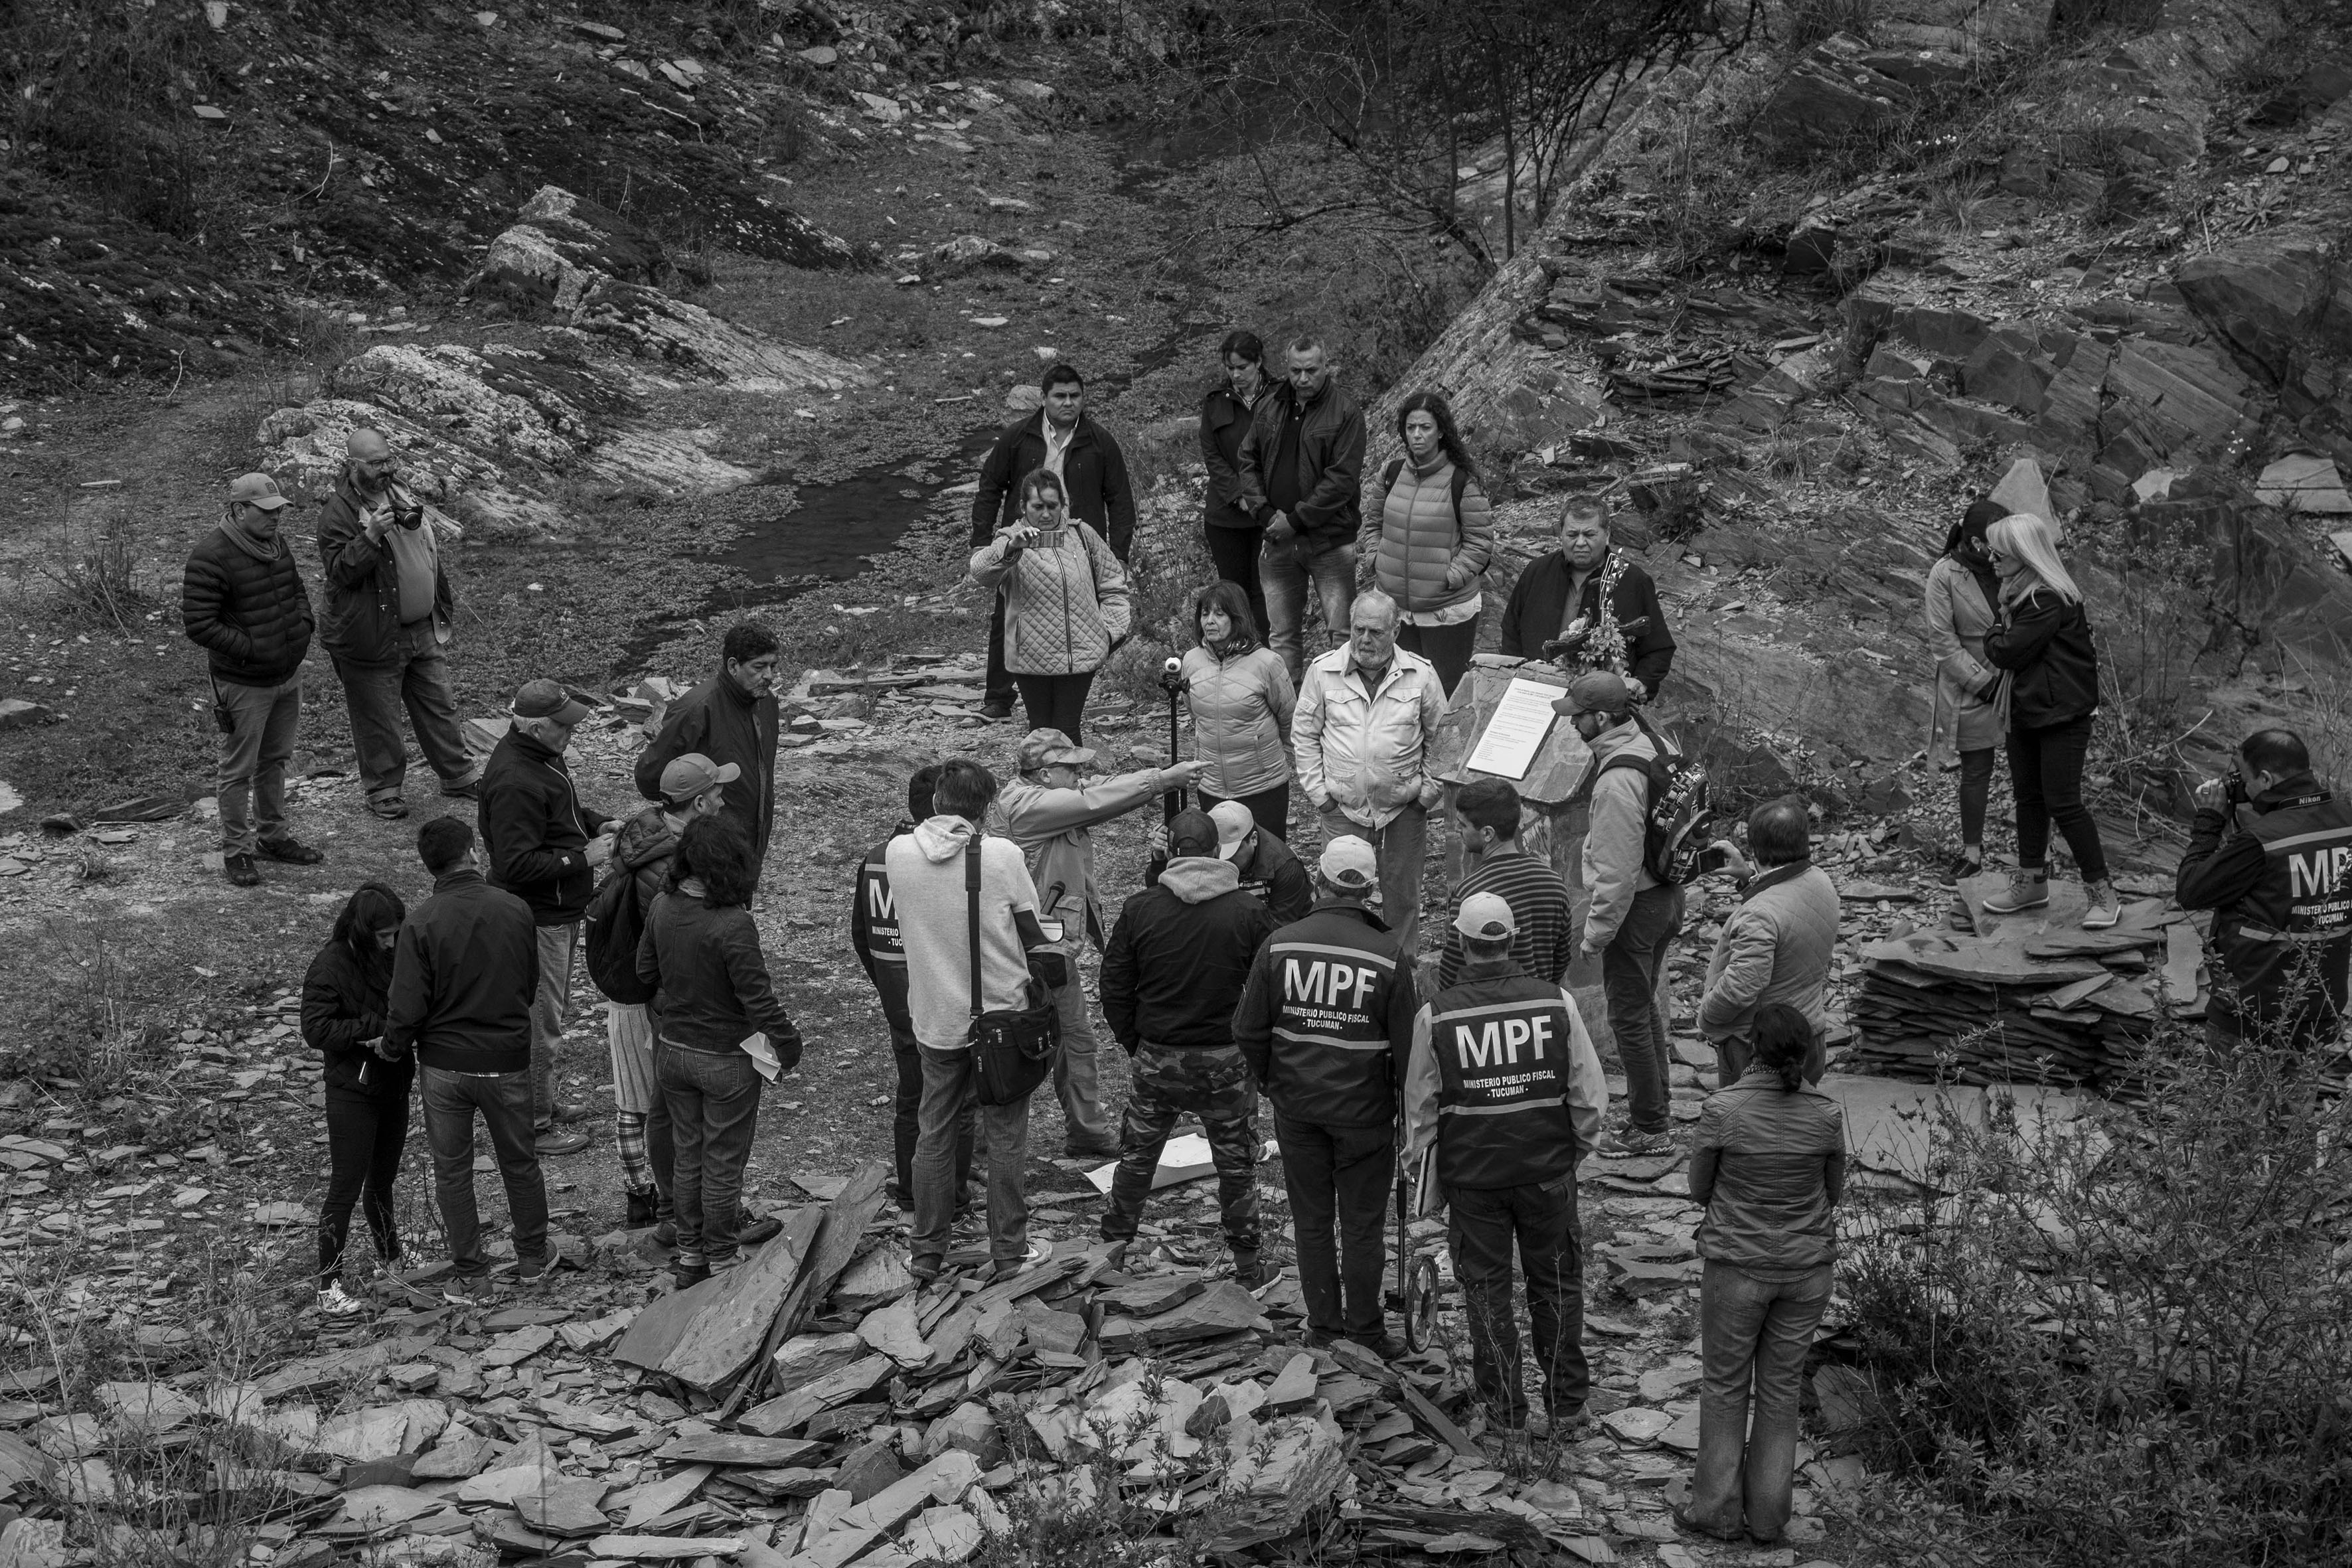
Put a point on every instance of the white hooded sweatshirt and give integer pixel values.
(927, 886)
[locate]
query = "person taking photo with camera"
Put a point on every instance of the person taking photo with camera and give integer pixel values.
(2271, 853)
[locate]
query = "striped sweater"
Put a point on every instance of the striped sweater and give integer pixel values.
(1538, 899)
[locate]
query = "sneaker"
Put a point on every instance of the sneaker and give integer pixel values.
(685, 1276)
(2106, 908)
(1684, 1522)
(1628, 1143)
(996, 710)
(2026, 890)
(241, 870)
(759, 1230)
(528, 1268)
(333, 1303)
(291, 850)
(1249, 1272)
(466, 1289)
(1101, 1149)
(470, 790)
(392, 808)
(1960, 867)
(551, 1143)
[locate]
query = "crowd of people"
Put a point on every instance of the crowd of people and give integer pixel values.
(1242, 968)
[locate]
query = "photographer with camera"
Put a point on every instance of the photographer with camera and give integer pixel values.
(1064, 598)
(388, 621)
(2271, 853)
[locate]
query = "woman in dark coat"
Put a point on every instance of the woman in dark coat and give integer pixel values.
(367, 1088)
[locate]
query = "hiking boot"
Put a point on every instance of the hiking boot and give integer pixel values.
(2027, 890)
(391, 807)
(2106, 908)
(759, 1230)
(926, 1269)
(1630, 1143)
(333, 1303)
(1249, 1273)
(241, 870)
(644, 1203)
(996, 709)
(686, 1275)
(291, 850)
(551, 1143)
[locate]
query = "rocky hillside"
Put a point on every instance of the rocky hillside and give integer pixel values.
(1806, 305)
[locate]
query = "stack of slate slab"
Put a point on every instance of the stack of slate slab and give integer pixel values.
(2025, 998)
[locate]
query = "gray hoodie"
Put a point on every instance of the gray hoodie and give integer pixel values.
(926, 869)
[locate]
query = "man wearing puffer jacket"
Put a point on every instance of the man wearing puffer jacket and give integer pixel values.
(1172, 977)
(1365, 719)
(1047, 813)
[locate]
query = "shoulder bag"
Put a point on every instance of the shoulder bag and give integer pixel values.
(1012, 1048)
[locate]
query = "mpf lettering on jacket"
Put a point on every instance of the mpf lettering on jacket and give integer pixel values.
(2322, 871)
(1499, 1043)
(1322, 984)
(881, 908)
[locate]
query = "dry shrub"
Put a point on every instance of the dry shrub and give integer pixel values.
(2121, 1339)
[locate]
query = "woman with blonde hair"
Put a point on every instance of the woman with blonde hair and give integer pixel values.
(2043, 643)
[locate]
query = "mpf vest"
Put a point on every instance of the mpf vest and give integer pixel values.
(2301, 913)
(1502, 1047)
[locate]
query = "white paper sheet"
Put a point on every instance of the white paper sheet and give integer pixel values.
(1516, 734)
(1184, 1158)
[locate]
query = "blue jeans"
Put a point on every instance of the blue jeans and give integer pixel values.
(418, 680)
(1285, 577)
(714, 1110)
(451, 1100)
(1629, 981)
(947, 1099)
(1754, 1334)
(556, 946)
(1077, 1079)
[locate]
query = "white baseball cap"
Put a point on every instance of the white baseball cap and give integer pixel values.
(1235, 823)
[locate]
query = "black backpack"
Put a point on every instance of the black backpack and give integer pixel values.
(1461, 482)
(616, 919)
(1674, 833)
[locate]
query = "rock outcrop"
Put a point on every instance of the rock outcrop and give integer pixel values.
(481, 430)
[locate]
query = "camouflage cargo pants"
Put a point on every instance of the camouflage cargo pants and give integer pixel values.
(1212, 1082)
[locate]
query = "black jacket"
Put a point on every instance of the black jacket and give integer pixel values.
(534, 830)
(1330, 462)
(1180, 956)
(1094, 473)
(2279, 878)
(727, 724)
(1224, 420)
(2045, 643)
(464, 971)
(1327, 1023)
(253, 618)
(1271, 872)
(342, 1008)
(364, 584)
(1538, 607)
(714, 987)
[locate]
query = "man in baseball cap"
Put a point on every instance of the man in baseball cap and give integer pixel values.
(1502, 1079)
(544, 846)
(1324, 1026)
(693, 775)
(1049, 813)
(1631, 918)
(243, 602)
(1267, 868)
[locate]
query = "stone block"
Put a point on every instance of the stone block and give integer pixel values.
(2263, 296)
(1951, 334)
(2008, 368)
(1829, 94)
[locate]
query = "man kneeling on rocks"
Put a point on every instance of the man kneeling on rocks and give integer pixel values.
(1505, 1080)
(1178, 960)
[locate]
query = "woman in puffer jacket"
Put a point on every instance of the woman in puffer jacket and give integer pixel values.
(1241, 697)
(1065, 602)
(1429, 536)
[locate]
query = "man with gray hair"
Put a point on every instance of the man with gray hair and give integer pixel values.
(1778, 945)
(388, 625)
(1366, 716)
(1558, 598)
(1301, 466)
